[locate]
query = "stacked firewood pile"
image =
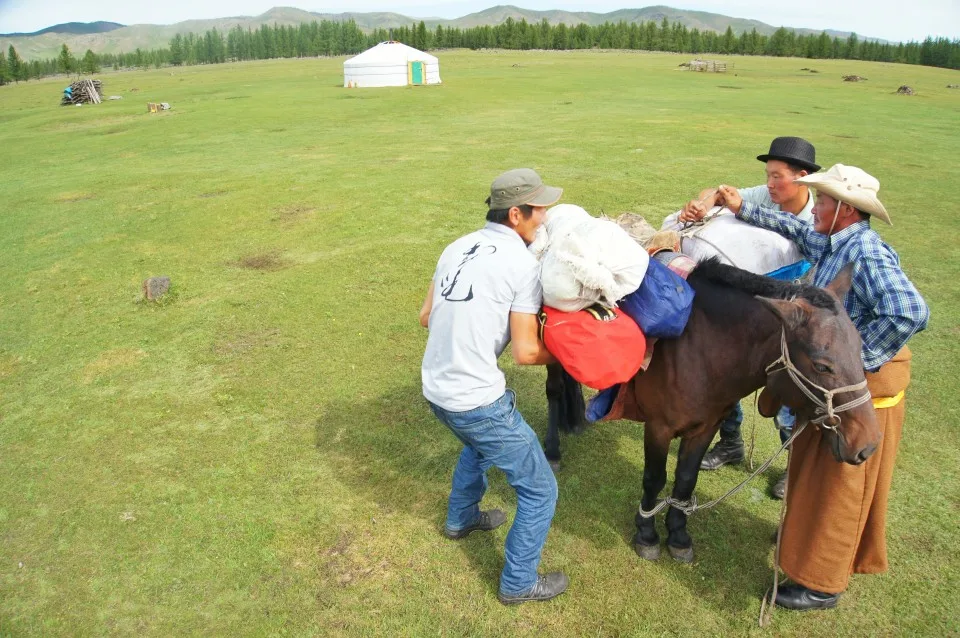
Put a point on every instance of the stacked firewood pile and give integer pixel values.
(84, 91)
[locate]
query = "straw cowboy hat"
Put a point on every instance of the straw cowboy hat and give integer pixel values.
(850, 185)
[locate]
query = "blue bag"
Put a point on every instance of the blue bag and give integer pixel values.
(661, 305)
(601, 403)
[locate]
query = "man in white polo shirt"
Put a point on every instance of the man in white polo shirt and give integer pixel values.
(485, 294)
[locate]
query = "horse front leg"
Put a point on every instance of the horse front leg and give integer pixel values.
(656, 444)
(692, 450)
(556, 407)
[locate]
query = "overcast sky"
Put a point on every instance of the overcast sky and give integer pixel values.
(894, 20)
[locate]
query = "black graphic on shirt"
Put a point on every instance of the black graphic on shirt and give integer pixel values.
(448, 285)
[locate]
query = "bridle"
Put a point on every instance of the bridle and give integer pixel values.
(826, 413)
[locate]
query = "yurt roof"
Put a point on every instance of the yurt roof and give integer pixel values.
(387, 53)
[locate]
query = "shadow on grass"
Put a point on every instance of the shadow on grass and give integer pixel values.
(392, 451)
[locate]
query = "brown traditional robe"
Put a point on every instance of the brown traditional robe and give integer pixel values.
(836, 517)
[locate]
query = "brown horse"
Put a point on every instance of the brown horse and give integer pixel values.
(737, 330)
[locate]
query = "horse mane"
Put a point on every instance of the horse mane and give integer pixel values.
(714, 271)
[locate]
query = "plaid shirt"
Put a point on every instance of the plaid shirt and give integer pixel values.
(884, 306)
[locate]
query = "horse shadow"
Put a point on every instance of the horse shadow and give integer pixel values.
(391, 450)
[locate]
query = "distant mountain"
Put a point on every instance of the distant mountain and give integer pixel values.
(118, 38)
(73, 28)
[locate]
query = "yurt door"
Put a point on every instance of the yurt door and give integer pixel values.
(416, 73)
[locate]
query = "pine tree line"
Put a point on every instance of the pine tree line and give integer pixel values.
(344, 38)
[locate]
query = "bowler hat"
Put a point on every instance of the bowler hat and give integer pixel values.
(792, 150)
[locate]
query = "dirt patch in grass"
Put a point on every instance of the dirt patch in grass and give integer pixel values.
(267, 261)
(211, 194)
(292, 213)
(9, 364)
(111, 360)
(239, 344)
(69, 198)
(347, 564)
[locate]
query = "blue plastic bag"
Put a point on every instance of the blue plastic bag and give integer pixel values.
(600, 404)
(661, 305)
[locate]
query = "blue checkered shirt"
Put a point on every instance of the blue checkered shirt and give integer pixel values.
(884, 306)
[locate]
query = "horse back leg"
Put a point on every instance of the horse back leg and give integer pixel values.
(656, 445)
(691, 453)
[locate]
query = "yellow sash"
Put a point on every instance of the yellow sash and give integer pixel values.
(880, 403)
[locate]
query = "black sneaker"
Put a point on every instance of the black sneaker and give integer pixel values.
(488, 520)
(723, 453)
(548, 586)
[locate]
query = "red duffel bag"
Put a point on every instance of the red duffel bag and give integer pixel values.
(599, 347)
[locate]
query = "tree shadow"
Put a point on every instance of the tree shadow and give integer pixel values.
(391, 450)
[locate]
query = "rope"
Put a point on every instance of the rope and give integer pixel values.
(692, 230)
(691, 506)
(753, 434)
(766, 609)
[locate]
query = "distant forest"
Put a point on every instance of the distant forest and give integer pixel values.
(339, 38)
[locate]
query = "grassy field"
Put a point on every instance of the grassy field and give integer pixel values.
(252, 456)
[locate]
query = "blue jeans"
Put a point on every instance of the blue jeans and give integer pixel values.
(496, 435)
(730, 426)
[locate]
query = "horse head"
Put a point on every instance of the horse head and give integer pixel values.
(820, 372)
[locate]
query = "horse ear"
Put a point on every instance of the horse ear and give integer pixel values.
(840, 285)
(793, 314)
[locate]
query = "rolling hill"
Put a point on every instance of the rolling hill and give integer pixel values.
(108, 37)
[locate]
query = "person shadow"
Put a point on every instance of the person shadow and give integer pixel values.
(391, 450)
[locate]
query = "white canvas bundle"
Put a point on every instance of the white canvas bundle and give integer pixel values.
(587, 260)
(735, 242)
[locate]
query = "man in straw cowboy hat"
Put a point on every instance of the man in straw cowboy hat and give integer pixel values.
(835, 522)
(485, 294)
(788, 159)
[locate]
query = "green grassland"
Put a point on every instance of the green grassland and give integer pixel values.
(252, 456)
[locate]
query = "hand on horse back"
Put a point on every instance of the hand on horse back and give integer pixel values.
(740, 326)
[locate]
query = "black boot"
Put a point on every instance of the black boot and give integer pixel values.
(726, 451)
(779, 488)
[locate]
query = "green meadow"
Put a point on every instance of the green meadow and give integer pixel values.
(251, 455)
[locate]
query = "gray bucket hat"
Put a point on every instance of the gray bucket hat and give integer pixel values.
(521, 186)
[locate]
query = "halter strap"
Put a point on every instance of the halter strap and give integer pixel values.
(826, 411)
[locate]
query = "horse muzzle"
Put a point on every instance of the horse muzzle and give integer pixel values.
(851, 449)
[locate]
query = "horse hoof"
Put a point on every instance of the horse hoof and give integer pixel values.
(647, 552)
(555, 466)
(681, 554)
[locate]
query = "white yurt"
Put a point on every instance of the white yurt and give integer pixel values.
(391, 64)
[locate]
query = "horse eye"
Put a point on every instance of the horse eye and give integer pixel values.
(822, 369)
